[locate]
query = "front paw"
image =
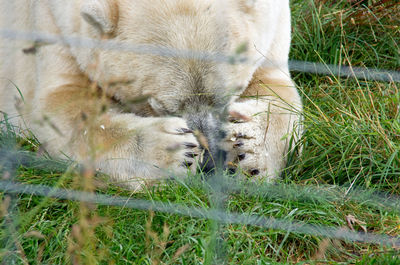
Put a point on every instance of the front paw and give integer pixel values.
(151, 150)
(257, 140)
(168, 143)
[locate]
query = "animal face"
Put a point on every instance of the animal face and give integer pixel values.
(176, 83)
(182, 83)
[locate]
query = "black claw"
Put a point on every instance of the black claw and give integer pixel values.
(187, 164)
(238, 143)
(254, 172)
(191, 154)
(190, 145)
(185, 130)
(240, 135)
(241, 156)
(235, 120)
(231, 171)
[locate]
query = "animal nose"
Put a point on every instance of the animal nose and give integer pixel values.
(208, 127)
(211, 161)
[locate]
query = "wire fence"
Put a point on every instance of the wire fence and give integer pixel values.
(213, 214)
(11, 159)
(40, 38)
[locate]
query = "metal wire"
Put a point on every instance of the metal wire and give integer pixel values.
(320, 194)
(81, 42)
(217, 214)
(213, 214)
(297, 66)
(345, 71)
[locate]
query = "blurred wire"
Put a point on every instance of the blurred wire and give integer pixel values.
(213, 214)
(11, 158)
(297, 66)
(345, 71)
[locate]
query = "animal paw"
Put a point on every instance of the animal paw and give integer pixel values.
(257, 136)
(155, 149)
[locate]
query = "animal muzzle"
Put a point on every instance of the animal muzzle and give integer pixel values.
(207, 127)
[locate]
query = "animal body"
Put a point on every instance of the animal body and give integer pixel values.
(135, 114)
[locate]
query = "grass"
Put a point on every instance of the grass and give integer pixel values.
(352, 139)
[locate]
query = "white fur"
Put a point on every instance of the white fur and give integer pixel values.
(202, 25)
(98, 14)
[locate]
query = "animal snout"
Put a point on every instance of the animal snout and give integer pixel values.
(208, 130)
(212, 161)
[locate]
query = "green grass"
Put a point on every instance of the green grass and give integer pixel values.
(352, 139)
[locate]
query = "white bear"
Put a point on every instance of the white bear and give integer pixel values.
(140, 114)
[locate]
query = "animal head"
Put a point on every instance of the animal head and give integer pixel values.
(172, 64)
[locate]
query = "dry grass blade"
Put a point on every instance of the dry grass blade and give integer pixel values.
(160, 243)
(180, 251)
(322, 248)
(350, 219)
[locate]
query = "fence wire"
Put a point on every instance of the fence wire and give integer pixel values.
(345, 71)
(391, 202)
(217, 213)
(308, 193)
(213, 214)
(40, 38)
